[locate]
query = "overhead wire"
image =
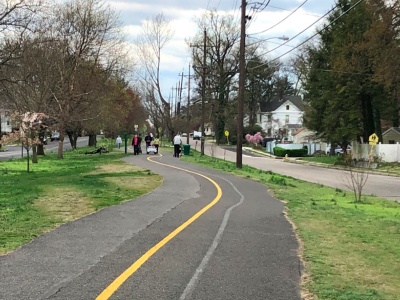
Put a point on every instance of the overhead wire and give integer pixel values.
(318, 32)
(301, 32)
(275, 7)
(281, 20)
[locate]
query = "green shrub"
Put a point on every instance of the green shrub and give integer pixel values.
(281, 152)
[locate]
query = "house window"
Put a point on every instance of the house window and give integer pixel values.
(269, 118)
(392, 142)
(269, 132)
(287, 107)
(287, 118)
(260, 118)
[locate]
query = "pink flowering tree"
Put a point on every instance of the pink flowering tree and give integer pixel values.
(30, 124)
(254, 139)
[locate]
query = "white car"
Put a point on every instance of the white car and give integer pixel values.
(338, 150)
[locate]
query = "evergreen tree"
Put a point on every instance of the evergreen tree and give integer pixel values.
(345, 102)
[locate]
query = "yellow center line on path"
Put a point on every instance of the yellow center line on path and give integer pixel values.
(116, 284)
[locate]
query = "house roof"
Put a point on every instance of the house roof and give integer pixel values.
(276, 102)
(298, 131)
(397, 129)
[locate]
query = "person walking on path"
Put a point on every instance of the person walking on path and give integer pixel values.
(148, 139)
(119, 142)
(177, 144)
(136, 144)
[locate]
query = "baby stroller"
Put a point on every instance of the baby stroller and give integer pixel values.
(151, 149)
(137, 150)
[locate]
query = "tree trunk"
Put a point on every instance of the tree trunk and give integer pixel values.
(368, 115)
(34, 154)
(60, 152)
(92, 140)
(73, 138)
(27, 160)
(40, 149)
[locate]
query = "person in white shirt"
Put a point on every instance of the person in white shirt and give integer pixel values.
(119, 142)
(177, 144)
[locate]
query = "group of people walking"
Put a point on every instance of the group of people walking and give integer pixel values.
(151, 140)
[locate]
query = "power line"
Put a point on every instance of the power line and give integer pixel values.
(302, 31)
(319, 31)
(317, 16)
(257, 7)
(280, 20)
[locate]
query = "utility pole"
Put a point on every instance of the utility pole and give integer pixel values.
(203, 92)
(242, 73)
(188, 105)
(180, 96)
(188, 110)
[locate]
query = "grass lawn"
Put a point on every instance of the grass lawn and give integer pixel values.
(388, 168)
(350, 250)
(59, 191)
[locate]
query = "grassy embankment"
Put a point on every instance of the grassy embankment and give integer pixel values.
(59, 191)
(351, 250)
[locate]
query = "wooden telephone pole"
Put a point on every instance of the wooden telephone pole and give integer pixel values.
(242, 74)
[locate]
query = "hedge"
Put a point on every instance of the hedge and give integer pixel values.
(281, 152)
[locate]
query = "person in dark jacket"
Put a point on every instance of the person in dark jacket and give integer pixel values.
(148, 139)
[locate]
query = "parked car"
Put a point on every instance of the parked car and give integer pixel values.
(55, 136)
(196, 135)
(338, 150)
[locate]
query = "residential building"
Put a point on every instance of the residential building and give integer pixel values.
(281, 117)
(5, 121)
(391, 136)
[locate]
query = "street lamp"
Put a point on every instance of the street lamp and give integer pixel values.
(283, 38)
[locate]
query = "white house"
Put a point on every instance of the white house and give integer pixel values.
(5, 121)
(281, 117)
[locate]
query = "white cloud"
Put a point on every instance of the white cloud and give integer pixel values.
(176, 55)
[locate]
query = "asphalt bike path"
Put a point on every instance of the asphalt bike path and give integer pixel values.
(238, 245)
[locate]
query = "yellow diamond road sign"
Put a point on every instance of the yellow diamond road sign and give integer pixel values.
(226, 133)
(373, 139)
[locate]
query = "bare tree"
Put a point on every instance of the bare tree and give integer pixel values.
(86, 36)
(156, 33)
(222, 52)
(16, 18)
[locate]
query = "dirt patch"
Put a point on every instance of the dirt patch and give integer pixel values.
(64, 204)
(113, 168)
(146, 183)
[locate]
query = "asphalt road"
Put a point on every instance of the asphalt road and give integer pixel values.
(384, 186)
(201, 235)
(52, 146)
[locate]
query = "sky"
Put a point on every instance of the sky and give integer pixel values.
(270, 23)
